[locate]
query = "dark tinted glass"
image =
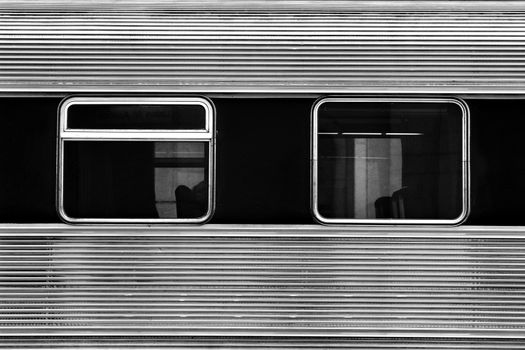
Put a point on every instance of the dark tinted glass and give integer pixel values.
(140, 117)
(135, 180)
(390, 160)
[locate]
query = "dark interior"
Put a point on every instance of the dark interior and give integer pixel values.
(262, 161)
(97, 181)
(426, 184)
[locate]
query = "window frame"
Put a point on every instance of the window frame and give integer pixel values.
(465, 156)
(182, 135)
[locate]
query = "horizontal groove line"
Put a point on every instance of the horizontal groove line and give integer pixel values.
(240, 68)
(159, 263)
(341, 304)
(258, 321)
(290, 332)
(348, 300)
(239, 52)
(241, 343)
(246, 26)
(470, 258)
(230, 58)
(323, 25)
(269, 306)
(187, 12)
(249, 270)
(466, 256)
(400, 303)
(257, 243)
(348, 322)
(298, 344)
(298, 279)
(155, 18)
(394, 288)
(267, 271)
(280, 284)
(263, 48)
(285, 311)
(253, 61)
(341, 307)
(251, 77)
(261, 72)
(52, 298)
(80, 313)
(269, 41)
(328, 267)
(251, 292)
(347, 326)
(141, 294)
(331, 26)
(387, 248)
(298, 26)
(305, 61)
(472, 334)
(251, 33)
(261, 18)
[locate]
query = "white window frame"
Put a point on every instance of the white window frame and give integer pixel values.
(198, 135)
(465, 132)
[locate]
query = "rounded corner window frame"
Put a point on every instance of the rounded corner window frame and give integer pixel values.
(65, 134)
(465, 156)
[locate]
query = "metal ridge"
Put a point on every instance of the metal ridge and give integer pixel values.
(270, 231)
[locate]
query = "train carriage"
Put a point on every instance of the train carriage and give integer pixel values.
(262, 174)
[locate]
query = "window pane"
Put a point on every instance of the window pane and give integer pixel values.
(139, 117)
(135, 180)
(386, 160)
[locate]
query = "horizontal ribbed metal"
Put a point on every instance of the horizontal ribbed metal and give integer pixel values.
(465, 285)
(262, 51)
(266, 5)
(256, 343)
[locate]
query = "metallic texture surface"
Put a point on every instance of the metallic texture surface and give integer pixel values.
(259, 50)
(257, 343)
(265, 5)
(426, 286)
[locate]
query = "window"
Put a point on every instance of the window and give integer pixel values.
(390, 161)
(136, 160)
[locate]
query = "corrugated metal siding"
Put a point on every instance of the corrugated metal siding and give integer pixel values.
(259, 343)
(462, 287)
(262, 51)
(265, 5)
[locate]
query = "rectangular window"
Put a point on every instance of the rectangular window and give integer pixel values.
(136, 117)
(136, 160)
(390, 161)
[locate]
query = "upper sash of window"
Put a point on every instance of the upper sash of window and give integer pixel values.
(136, 118)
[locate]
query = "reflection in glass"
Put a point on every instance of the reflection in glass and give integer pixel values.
(390, 160)
(135, 180)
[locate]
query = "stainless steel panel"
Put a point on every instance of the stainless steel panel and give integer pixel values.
(267, 5)
(257, 343)
(296, 49)
(426, 286)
